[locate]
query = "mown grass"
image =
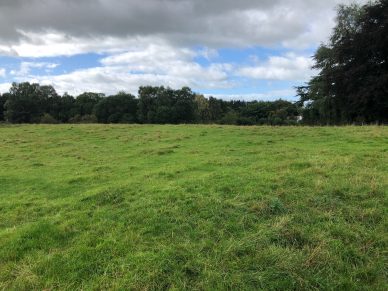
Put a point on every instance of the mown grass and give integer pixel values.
(193, 207)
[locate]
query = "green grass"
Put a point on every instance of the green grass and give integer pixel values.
(193, 207)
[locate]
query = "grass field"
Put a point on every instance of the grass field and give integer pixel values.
(193, 207)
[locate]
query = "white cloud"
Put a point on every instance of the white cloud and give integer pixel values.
(109, 80)
(49, 43)
(2, 72)
(163, 59)
(154, 63)
(289, 67)
(25, 68)
(4, 87)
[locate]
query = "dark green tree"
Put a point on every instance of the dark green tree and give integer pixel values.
(65, 108)
(165, 105)
(351, 86)
(202, 109)
(217, 109)
(27, 102)
(84, 103)
(3, 100)
(120, 108)
(147, 103)
(184, 108)
(279, 112)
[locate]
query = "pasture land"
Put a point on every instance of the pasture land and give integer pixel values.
(193, 207)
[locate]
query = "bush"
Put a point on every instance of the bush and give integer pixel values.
(229, 118)
(89, 118)
(245, 121)
(114, 118)
(48, 119)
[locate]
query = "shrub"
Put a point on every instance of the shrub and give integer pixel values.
(89, 118)
(48, 119)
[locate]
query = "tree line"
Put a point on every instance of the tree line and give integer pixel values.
(35, 103)
(352, 84)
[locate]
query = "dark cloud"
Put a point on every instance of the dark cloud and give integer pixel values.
(207, 22)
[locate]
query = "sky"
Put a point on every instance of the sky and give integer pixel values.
(245, 49)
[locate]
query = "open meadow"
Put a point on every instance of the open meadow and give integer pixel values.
(131, 207)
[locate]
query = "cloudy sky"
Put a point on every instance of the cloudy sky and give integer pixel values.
(245, 49)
